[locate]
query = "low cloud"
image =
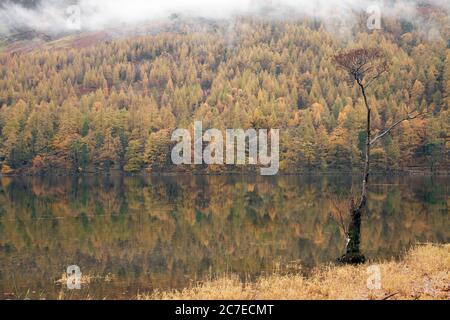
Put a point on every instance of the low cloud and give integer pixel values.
(51, 16)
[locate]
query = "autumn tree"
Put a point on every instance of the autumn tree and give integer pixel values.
(134, 156)
(157, 150)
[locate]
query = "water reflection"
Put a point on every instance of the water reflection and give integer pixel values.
(135, 234)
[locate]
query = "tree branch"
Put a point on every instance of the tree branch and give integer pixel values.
(341, 219)
(375, 77)
(408, 117)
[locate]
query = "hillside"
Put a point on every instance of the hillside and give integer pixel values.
(95, 102)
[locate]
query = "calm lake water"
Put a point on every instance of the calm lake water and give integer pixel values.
(137, 234)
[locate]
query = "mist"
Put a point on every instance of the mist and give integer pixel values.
(53, 16)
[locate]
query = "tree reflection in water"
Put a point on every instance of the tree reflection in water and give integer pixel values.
(141, 233)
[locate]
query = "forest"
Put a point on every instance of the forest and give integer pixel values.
(114, 104)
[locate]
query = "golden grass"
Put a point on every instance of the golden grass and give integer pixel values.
(423, 273)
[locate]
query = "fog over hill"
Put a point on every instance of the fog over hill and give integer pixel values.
(53, 16)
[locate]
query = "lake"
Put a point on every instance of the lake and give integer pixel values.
(138, 234)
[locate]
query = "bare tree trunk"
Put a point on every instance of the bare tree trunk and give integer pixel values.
(363, 200)
(353, 254)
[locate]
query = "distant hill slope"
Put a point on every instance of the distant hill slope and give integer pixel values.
(28, 40)
(31, 40)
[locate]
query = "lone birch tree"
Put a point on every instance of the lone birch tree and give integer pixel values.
(364, 66)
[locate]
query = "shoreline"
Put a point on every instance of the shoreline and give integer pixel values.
(398, 173)
(423, 273)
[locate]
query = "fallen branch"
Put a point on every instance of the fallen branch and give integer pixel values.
(389, 296)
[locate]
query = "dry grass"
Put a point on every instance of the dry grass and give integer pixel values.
(422, 274)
